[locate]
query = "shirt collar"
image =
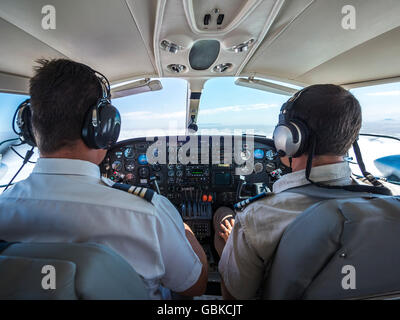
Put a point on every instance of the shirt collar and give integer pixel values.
(66, 167)
(333, 174)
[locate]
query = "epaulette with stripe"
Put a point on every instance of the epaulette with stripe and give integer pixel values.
(243, 204)
(144, 193)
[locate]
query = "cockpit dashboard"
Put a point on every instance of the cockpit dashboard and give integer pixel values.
(197, 174)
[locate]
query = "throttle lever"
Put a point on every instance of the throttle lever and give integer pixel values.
(153, 179)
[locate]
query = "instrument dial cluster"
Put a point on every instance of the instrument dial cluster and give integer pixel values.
(127, 162)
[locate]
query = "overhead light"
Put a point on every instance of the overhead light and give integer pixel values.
(242, 47)
(222, 67)
(176, 68)
(170, 47)
(265, 86)
(136, 87)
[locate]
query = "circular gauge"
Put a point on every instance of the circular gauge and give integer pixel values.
(259, 154)
(245, 155)
(179, 173)
(129, 153)
(171, 173)
(117, 165)
(129, 166)
(142, 159)
(144, 172)
(246, 170)
(258, 167)
(270, 155)
(270, 167)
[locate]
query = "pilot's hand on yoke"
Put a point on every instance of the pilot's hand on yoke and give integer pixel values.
(226, 226)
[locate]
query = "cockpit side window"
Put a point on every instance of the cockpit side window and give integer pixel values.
(381, 119)
(10, 161)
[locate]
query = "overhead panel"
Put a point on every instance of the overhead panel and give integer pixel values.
(100, 33)
(19, 50)
(292, 50)
(238, 27)
(375, 59)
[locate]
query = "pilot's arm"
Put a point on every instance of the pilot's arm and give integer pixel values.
(184, 259)
(241, 268)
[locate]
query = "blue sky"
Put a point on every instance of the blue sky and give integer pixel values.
(223, 106)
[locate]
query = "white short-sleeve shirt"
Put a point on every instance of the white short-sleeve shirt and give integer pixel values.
(65, 200)
(248, 253)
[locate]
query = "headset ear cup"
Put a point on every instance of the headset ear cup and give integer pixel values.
(303, 137)
(108, 129)
(110, 126)
(88, 130)
(24, 123)
(290, 138)
(286, 137)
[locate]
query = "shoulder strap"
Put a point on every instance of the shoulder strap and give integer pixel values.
(329, 194)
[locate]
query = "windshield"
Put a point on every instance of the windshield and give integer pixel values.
(227, 107)
(224, 106)
(155, 113)
(381, 108)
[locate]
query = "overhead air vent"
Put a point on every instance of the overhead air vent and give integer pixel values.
(176, 68)
(203, 54)
(242, 47)
(222, 67)
(170, 47)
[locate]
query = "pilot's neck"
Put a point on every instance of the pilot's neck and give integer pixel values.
(300, 163)
(77, 150)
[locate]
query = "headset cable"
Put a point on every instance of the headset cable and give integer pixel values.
(28, 156)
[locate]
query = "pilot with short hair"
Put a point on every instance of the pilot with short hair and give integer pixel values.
(247, 242)
(65, 200)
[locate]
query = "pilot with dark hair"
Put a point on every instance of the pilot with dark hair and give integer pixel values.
(65, 199)
(247, 242)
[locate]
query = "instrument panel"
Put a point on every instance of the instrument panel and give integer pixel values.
(211, 172)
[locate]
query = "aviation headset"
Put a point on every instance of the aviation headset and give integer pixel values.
(293, 138)
(101, 126)
(291, 135)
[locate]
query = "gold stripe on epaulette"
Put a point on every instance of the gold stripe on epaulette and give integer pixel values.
(131, 189)
(137, 191)
(143, 193)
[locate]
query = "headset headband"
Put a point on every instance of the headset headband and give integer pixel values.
(288, 106)
(102, 122)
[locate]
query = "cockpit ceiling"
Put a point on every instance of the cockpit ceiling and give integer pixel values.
(299, 41)
(101, 33)
(312, 47)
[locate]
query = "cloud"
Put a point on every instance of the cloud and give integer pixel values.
(385, 94)
(237, 108)
(147, 115)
